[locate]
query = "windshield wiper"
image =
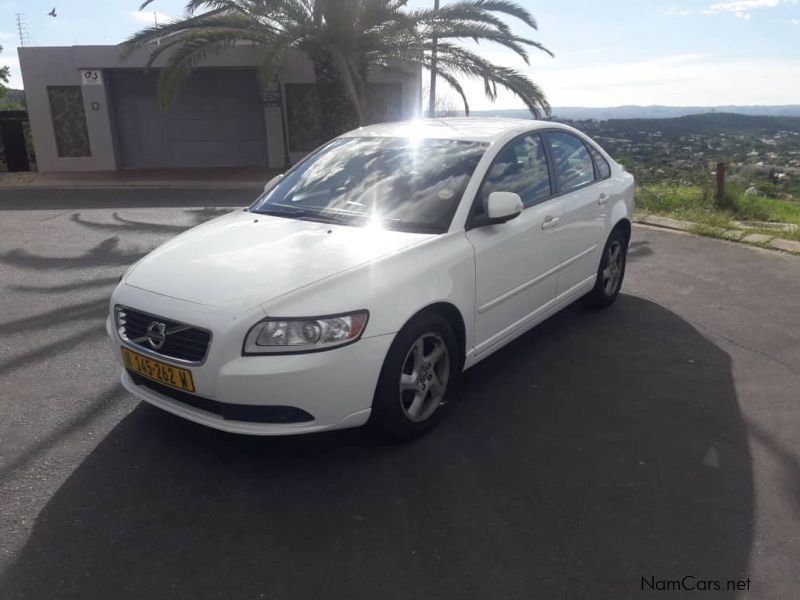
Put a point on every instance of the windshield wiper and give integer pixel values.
(303, 214)
(324, 218)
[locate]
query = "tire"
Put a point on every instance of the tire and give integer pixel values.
(412, 388)
(611, 271)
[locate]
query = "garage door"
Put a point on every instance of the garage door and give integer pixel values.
(216, 121)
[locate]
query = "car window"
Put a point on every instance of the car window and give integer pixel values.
(571, 161)
(401, 183)
(520, 167)
(603, 168)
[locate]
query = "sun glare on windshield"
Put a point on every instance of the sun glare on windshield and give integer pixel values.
(409, 183)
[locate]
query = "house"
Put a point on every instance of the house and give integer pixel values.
(90, 110)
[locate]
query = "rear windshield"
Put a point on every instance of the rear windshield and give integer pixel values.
(398, 183)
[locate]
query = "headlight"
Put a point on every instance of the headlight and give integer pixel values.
(304, 334)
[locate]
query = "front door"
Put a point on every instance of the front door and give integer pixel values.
(516, 263)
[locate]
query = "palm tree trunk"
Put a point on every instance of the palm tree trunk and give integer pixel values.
(336, 110)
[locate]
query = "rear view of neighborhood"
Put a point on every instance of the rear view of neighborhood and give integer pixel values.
(674, 152)
(663, 142)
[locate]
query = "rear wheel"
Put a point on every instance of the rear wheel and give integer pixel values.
(611, 271)
(419, 369)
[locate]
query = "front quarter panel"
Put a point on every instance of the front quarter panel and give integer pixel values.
(394, 288)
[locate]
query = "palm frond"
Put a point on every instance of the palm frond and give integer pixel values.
(456, 85)
(346, 37)
(454, 61)
(479, 33)
(503, 6)
(210, 20)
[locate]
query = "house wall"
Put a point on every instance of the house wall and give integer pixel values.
(58, 66)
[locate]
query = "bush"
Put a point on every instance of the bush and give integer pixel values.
(767, 188)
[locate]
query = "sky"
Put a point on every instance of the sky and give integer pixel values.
(609, 53)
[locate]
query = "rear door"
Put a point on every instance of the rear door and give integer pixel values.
(516, 263)
(584, 203)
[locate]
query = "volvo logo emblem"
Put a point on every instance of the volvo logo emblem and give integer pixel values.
(156, 334)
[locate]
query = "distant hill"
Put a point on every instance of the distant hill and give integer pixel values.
(709, 123)
(577, 113)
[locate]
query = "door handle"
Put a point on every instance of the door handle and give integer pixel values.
(603, 198)
(549, 222)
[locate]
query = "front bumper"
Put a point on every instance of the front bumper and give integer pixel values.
(335, 387)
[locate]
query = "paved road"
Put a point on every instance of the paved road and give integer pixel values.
(659, 438)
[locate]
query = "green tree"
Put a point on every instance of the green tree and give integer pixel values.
(5, 74)
(344, 39)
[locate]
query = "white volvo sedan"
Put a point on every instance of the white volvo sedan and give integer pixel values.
(362, 282)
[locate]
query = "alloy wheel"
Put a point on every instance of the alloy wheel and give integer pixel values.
(424, 377)
(612, 273)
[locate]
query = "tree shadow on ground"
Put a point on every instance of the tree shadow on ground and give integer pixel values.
(52, 348)
(600, 448)
(127, 225)
(104, 254)
(67, 287)
(122, 224)
(86, 310)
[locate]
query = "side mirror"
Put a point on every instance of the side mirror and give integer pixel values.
(273, 182)
(502, 207)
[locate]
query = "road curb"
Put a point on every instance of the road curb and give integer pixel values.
(732, 235)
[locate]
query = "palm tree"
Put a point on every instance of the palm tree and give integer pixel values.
(344, 39)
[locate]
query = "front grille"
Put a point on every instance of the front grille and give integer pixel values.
(229, 412)
(182, 342)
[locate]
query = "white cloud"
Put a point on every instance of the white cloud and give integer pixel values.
(794, 21)
(741, 8)
(148, 17)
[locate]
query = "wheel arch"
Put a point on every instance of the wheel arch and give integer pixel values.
(453, 316)
(624, 225)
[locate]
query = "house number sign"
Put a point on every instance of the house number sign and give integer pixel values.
(91, 77)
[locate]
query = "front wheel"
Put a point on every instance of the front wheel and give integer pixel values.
(419, 369)
(611, 271)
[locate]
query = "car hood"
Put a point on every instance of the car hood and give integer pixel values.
(244, 259)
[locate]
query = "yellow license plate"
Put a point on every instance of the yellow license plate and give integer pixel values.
(157, 371)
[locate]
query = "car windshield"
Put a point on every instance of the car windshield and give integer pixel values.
(399, 183)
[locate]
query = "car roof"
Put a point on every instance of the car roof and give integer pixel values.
(474, 129)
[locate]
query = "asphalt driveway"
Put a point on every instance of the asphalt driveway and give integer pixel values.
(657, 439)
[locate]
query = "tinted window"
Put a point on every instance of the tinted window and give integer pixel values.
(603, 168)
(401, 183)
(520, 167)
(571, 161)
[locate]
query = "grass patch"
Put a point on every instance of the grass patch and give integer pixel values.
(759, 208)
(697, 203)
